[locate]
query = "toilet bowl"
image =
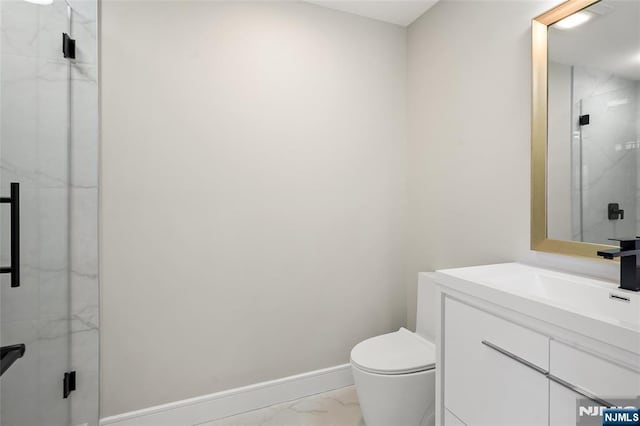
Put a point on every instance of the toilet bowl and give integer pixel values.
(395, 379)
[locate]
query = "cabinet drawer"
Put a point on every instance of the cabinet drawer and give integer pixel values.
(483, 326)
(590, 373)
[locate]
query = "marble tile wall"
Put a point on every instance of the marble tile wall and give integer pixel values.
(609, 150)
(84, 213)
(34, 144)
(49, 143)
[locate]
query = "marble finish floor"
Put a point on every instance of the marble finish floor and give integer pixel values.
(339, 407)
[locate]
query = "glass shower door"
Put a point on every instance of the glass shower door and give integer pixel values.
(34, 153)
(609, 162)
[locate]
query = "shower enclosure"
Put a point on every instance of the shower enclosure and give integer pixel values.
(605, 155)
(48, 214)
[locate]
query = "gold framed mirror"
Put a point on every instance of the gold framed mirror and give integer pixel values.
(544, 230)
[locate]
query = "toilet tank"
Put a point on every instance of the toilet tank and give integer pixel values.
(426, 308)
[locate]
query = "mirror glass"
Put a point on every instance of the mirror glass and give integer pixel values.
(593, 161)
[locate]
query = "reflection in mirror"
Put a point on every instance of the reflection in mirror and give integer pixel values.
(594, 124)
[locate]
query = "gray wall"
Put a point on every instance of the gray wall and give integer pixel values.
(297, 257)
(469, 135)
(253, 193)
(560, 186)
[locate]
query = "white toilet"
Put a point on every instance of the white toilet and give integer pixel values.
(395, 379)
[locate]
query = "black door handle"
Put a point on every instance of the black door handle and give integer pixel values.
(14, 201)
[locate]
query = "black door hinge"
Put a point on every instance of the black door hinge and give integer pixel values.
(68, 383)
(615, 212)
(584, 120)
(68, 46)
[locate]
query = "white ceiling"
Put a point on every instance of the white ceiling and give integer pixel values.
(399, 12)
(609, 42)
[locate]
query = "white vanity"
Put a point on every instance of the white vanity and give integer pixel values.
(519, 345)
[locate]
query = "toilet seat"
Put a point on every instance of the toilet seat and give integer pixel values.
(400, 352)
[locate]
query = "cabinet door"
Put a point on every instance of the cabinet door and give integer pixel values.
(591, 373)
(493, 385)
(584, 374)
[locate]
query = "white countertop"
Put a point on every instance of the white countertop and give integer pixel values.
(581, 304)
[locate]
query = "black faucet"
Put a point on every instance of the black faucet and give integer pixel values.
(629, 254)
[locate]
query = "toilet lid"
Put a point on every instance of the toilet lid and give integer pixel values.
(401, 352)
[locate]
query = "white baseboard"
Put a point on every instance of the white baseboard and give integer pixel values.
(235, 401)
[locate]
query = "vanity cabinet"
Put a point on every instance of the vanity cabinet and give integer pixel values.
(522, 345)
(497, 372)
